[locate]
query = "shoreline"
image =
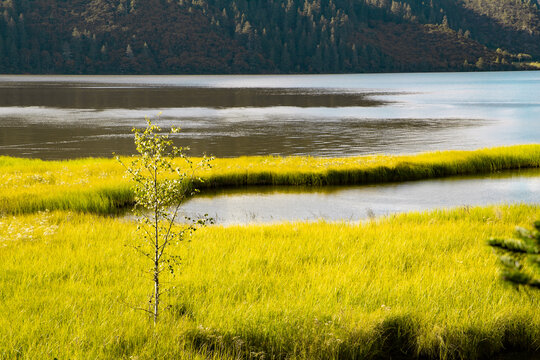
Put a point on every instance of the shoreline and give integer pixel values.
(98, 185)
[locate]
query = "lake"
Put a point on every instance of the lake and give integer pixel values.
(59, 117)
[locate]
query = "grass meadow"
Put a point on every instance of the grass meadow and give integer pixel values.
(99, 185)
(417, 285)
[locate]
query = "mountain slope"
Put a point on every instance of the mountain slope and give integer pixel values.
(266, 36)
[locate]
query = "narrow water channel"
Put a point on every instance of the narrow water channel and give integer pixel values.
(278, 204)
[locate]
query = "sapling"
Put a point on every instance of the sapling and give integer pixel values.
(163, 177)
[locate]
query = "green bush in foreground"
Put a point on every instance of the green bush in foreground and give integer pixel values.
(414, 285)
(520, 257)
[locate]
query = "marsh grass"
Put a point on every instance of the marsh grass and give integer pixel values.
(91, 185)
(99, 186)
(266, 170)
(413, 285)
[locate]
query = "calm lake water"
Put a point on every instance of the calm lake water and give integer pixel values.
(58, 117)
(263, 205)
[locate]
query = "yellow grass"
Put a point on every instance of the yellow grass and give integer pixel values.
(99, 185)
(410, 285)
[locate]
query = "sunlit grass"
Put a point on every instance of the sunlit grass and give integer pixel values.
(265, 170)
(415, 284)
(99, 185)
(92, 185)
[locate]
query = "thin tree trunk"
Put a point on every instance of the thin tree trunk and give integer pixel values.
(156, 291)
(156, 252)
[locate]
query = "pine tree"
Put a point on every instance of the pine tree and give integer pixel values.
(13, 56)
(520, 258)
(2, 54)
(129, 51)
(104, 55)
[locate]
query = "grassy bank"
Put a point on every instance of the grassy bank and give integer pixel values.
(99, 186)
(412, 285)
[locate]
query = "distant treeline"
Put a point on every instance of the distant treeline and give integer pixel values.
(266, 36)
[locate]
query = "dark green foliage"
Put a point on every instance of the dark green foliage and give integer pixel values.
(262, 36)
(520, 258)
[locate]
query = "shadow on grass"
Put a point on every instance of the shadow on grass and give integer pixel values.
(396, 338)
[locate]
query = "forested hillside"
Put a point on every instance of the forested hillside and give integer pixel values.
(266, 36)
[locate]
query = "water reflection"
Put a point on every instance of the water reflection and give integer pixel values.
(235, 137)
(111, 97)
(262, 205)
(320, 115)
